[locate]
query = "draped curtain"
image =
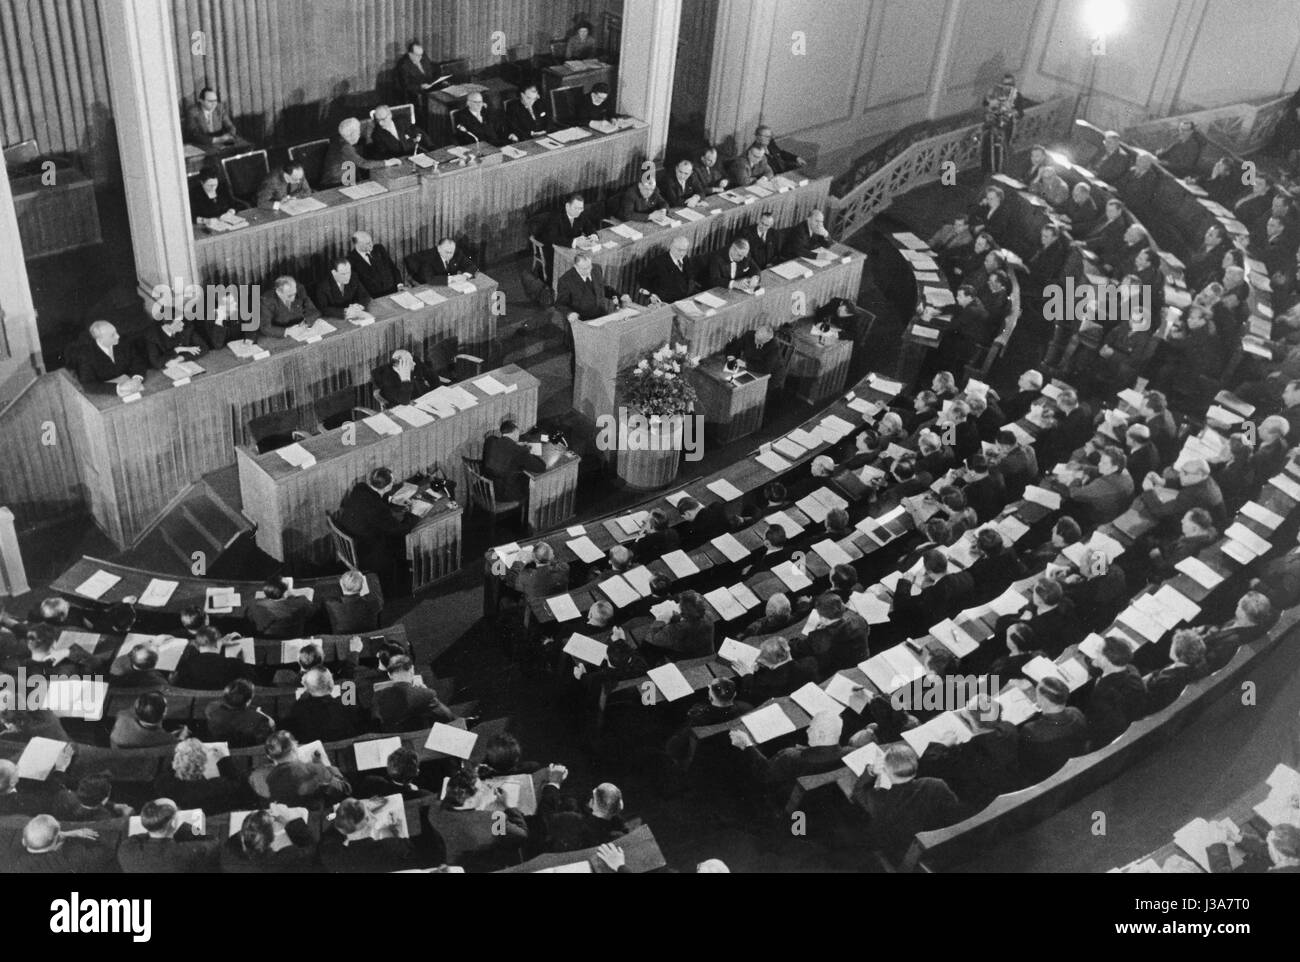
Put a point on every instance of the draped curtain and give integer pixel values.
(54, 81)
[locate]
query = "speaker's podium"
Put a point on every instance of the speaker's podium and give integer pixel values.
(608, 345)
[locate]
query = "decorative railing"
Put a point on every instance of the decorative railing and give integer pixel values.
(925, 161)
(1240, 128)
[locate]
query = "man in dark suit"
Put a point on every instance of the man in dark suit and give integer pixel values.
(703, 524)
(474, 124)
(205, 666)
(416, 74)
(582, 294)
(641, 200)
(1118, 697)
(279, 614)
(984, 767)
(284, 183)
(505, 460)
(781, 161)
(526, 118)
(393, 137)
(970, 330)
(292, 781)
(402, 705)
(839, 641)
(285, 306)
(562, 228)
(1182, 158)
(340, 294)
(749, 168)
(909, 805)
(1053, 736)
(442, 265)
(1138, 187)
(354, 611)
(777, 775)
(318, 714)
(806, 237)
(668, 276)
(344, 165)
(207, 122)
(1111, 164)
(404, 379)
(992, 214)
(757, 348)
(167, 844)
(708, 176)
(368, 518)
(764, 240)
(1164, 686)
(679, 187)
(373, 268)
(105, 360)
(732, 269)
(1047, 262)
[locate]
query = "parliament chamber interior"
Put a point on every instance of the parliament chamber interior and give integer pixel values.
(627, 436)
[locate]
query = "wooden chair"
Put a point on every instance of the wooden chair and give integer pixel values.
(784, 353)
(245, 173)
(483, 496)
(276, 430)
(345, 546)
(312, 157)
(564, 104)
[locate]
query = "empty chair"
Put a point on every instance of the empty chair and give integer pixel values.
(345, 547)
(564, 104)
(312, 157)
(483, 496)
(245, 173)
(337, 408)
(276, 430)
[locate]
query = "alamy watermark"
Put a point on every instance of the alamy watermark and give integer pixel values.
(194, 302)
(630, 430)
(1090, 302)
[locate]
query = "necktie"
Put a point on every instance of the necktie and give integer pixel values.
(733, 270)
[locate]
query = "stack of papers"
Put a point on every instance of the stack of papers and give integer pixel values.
(768, 723)
(296, 455)
(1200, 572)
(725, 490)
(367, 189)
(586, 649)
(772, 461)
(815, 701)
(450, 740)
(670, 681)
(382, 424)
(43, 756)
(1017, 707)
(732, 548)
(791, 527)
(563, 608)
(893, 669)
(941, 728)
(727, 607)
(373, 753)
(247, 350)
(585, 549)
(619, 591)
(300, 205)
(791, 576)
(871, 608)
(738, 653)
(310, 334)
(158, 593)
(98, 583)
(1280, 807)
(406, 300)
(680, 563)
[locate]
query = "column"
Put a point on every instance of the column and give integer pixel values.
(647, 59)
(20, 345)
(939, 81)
(742, 43)
(141, 53)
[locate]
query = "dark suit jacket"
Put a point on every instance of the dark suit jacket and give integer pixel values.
(208, 670)
(525, 126)
(410, 137)
(428, 267)
(589, 299)
(199, 132)
(410, 77)
(160, 347)
(1113, 168)
(588, 111)
(718, 271)
(276, 316)
(338, 154)
(662, 278)
(1165, 685)
(761, 360)
(559, 232)
(978, 770)
(655, 545)
(763, 251)
(712, 521)
(896, 814)
(93, 366)
(396, 391)
(366, 516)
(707, 178)
(404, 707)
(333, 302)
(674, 194)
(201, 205)
(324, 718)
(835, 647)
(1048, 741)
(633, 206)
(1117, 700)
(504, 462)
(183, 853)
(355, 613)
(801, 242)
(487, 130)
(285, 617)
(380, 276)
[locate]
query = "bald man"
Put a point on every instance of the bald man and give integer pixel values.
(344, 165)
(43, 847)
(105, 360)
(474, 124)
(732, 269)
(373, 268)
(669, 276)
(393, 137)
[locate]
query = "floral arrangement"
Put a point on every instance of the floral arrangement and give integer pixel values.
(655, 385)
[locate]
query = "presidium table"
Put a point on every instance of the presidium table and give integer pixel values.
(709, 226)
(141, 454)
(482, 201)
(289, 501)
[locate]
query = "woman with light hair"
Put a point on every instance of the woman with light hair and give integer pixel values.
(777, 616)
(890, 427)
(194, 781)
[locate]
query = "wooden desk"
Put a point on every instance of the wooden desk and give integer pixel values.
(603, 348)
(623, 264)
(782, 300)
(732, 406)
(142, 454)
(639, 846)
(552, 494)
(819, 364)
(441, 103)
(59, 217)
(433, 545)
(561, 76)
(487, 203)
(288, 504)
